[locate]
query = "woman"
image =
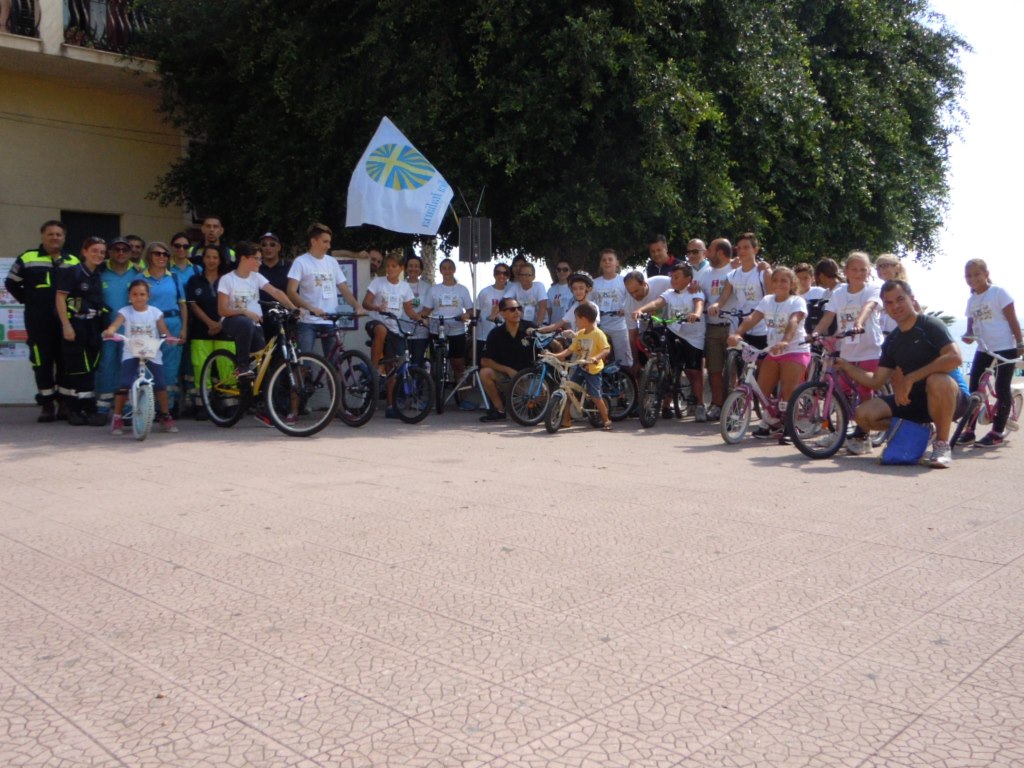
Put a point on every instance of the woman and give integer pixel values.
(167, 294)
(532, 296)
(449, 299)
(420, 336)
(393, 295)
(205, 329)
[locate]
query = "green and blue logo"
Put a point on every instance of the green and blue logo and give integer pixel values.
(399, 167)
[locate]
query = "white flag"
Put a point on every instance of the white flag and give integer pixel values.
(395, 187)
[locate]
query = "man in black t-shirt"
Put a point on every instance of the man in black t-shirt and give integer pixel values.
(508, 350)
(917, 358)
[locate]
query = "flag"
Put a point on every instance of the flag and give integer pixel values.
(395, 187)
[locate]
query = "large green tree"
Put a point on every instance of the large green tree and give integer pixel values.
(821, 124)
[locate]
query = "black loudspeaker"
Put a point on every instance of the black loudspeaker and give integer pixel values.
(474, 239)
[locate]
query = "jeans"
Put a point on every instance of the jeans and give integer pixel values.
(307, 335)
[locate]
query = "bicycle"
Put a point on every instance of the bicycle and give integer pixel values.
(568, 394)
(411, 388)
(820, 412)
(441, 369)
(983, 404)
(356, 376)
(660, 380)
(140, 395)
(299, 392)
(530, 389)
(735, 365)
(739, 404)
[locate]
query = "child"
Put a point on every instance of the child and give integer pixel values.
(580, 283)
(788, 351)
(140, 319)
(992, 320)
(687, 351)
(591, 345)
(888, 267)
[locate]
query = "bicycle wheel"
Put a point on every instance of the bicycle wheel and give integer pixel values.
(986, 410)
(1018, 403)
(358, 382)
(528, 396)
(974, 405)
(650, 394)
(619, 389)
(143, 409)
(302, 397)
(733, 369)
(556, 408)
(223, 398)
(816, 421)
(735, 416)
(414, 394)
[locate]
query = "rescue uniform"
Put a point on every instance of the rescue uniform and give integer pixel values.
(88, 315)
(32, 281)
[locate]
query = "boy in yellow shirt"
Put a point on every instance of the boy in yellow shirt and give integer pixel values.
(591, 345)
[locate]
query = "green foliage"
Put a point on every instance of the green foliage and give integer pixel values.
(820, 124)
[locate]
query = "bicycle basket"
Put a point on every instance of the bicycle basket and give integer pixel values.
(145, 347)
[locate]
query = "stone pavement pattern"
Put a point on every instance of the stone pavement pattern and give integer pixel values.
(455, 594)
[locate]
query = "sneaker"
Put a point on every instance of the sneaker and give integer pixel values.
(48, 414)
(966, 437)
(858, 446)
(714, 413)
(244, 373)
(117, 425)
(701, 414)
(941, 456)
(76, 418)
(291, 420)
(992, 440)
(493, 415)
(766, 431)
(668, 413)
(467, 405)
(391, 413)
(263, 420)
(167, 423)
(96, 419)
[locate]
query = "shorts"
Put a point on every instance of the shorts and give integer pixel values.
(684, 355)
(591, 381)
(716, 341)
(130, 369)
(802, 358)
(456, 345)
(917, 408)
(394, 344)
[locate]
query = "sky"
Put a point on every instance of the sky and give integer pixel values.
(986, 161)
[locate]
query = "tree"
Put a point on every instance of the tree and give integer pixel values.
(821, 124)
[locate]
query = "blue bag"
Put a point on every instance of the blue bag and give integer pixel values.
(907, 443)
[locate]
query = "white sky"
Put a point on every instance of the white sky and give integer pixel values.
(987, 164)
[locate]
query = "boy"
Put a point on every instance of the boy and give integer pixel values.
(592, 346)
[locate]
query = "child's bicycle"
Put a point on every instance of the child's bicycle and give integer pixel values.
(568, 394)
(140, 396)
(356, 377)
(660, 380)
(983, 403)
(413, 393)
(820, 412)
(739, 404)
(299, 392)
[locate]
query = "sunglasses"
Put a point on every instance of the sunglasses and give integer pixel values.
(159, 253)
(179, 245)
(512, 309)
(695, 250)
(119, 249)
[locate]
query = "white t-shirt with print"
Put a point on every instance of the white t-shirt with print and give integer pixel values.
(711, 281)
(684, 302)
(847, 307)
(559, 297)
(392, 298)
(657, 286)
(486, 301)
(776, 318)
(419, 289)
(143, 324)
(570, 314)
(243, 292)
(448, 301)
(530, 298)
(610, 296)
(748, 288)
(988, 321)
(318, 284)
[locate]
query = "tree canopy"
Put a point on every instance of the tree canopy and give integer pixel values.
(820, 124)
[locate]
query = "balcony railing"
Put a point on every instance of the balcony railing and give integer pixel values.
(106, 25)
(20, 17)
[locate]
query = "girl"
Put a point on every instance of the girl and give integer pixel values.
(140, 320)
(449, 299)
(888, 267)
(856, 305)
(393, 295)
(168, 295)
(788, 351)
(205, 329)
(420, 336)
(992, 321)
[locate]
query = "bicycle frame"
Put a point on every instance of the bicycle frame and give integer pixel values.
(986, 392)
(749, 384)
(575, 394)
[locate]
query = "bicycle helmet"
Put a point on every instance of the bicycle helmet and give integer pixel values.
(581, 277)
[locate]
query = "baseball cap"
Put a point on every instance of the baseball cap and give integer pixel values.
(270, 236)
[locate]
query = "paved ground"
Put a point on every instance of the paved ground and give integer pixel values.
(451, 594)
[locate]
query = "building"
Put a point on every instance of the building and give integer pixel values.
(83, 140)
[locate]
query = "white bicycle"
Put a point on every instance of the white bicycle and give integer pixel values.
(140, 396)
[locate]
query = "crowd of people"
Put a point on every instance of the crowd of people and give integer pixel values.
(205, 296)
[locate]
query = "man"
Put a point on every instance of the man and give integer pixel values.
(137, 246)
(314, 282)
(32, 281)
(716, 337)
(273, 267)
(508, 351)
(695, 255)
(116, 276)
(641, 291)
(661, 260)
(213, 234)
(917, 358)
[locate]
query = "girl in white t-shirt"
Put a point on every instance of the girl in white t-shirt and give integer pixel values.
(140, 319)
(888, 267)
(420, 288)
(992, 320)
(789, 353)
(449, 301)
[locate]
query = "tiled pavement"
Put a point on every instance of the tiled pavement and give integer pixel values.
(451, 594)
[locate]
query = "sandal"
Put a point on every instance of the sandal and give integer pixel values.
(607, 427)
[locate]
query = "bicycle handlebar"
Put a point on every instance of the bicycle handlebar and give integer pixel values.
(678, 317)
(998, 359)
(118, 337)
